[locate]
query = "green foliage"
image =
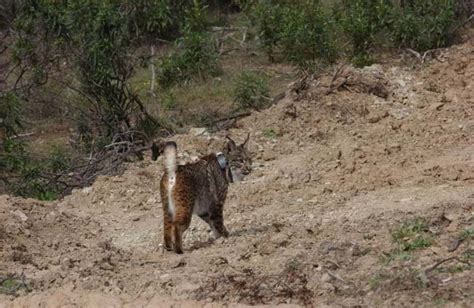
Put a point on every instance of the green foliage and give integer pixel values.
(29, 177)
(362, 21)
(168, 100)
(301, 31)
(268, 18)
(269, 133)
(422, 24)
(10, 285)
(251, 91)
(306, 35)
(10, 114)
(196, 56)
(412, 235)
(467, 234)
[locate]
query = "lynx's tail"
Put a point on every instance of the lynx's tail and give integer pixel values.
(170, 150)
(170, 159)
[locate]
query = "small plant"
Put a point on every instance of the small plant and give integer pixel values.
(251, 91)
(269, 133)
(467, 235)
(168, 100)
(10, 285)
(412, 235)
(395, 254)
(58, 160)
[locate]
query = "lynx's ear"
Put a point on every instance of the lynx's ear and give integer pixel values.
(244, 145)
(231, 146)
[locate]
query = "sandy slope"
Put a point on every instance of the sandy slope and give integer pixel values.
(333, 176)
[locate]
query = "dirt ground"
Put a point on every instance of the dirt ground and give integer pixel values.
(340, 165)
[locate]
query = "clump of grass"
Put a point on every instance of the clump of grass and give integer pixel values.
(10, 285)
(412, 235)
(269, 133)
(467, 235)
(409, 236)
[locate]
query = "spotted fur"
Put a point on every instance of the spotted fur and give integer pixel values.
(198, 188)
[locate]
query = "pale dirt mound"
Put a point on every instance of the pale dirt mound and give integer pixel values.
(334, 176)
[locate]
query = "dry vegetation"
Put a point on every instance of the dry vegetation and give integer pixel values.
(362, 190)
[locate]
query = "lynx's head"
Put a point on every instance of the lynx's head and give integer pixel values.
(239, 159)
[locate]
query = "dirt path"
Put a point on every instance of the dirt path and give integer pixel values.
(354, 197)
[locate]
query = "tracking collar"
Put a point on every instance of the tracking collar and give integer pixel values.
(224, 165)
(221, 160)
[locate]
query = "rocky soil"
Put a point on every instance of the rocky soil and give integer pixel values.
(344, 165)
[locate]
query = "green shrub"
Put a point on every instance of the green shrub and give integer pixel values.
(29, 177)
(251, 91)
(10, 114)
(300, 30)
(268, 19)
(423, 24)
(306, 35)
(362, 21)
(196, 56)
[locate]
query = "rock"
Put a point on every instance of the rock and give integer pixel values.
(87, 190)
(268, 155)
(326, 278)
(197, 131)
(451, 96)
(377, 116)
(22, 216)
(453, 227)
(436, 106)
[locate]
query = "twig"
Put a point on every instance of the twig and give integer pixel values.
(336, 74)
(415, 53)
(244, 37)
(153, 74)
(463, 23)
(336, 276)
(240, 115)
(430, 269)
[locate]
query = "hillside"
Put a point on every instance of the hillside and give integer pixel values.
(362, 193)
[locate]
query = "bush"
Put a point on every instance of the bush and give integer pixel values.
(28, 177)
(362, 21)
(10, 114)
(422, 24)
(306, 36)
(300, 31)
(251, 91)
(196, 56)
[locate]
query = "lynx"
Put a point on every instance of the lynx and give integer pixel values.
(199, 188)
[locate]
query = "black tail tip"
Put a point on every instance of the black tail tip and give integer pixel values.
(170, 144)
(155, 151)
(158, 149)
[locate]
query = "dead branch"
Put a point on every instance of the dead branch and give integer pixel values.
(240, 115)
(337, 73)
(153, 74)
(415, 53)
(468, 20)
(432, 268)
